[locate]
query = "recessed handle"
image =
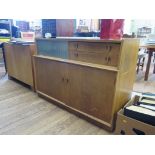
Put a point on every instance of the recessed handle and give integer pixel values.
(106, 47)
(109, 59)
(76, 54)
(67, 80)
(63, 79)
(110, 48)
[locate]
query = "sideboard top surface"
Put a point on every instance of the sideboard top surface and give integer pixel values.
(84, 39)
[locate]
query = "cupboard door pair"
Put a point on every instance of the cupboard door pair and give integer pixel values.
(86, 89)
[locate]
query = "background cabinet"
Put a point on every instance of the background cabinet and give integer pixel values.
(19, 62)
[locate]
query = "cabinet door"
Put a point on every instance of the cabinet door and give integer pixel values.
(51, 78)
(92, 91)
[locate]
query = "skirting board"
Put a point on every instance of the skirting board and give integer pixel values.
(89, 118)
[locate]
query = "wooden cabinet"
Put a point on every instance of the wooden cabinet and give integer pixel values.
(19, 62)
(94, 84)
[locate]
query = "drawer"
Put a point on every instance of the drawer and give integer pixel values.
(99, 53)
(113, 55)
(72, 45)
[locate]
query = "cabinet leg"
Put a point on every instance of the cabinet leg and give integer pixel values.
(10, 77)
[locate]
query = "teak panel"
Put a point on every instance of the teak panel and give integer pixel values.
(92, 91)
(52, 79)
(127, 73)
(10, 60)
(19, 62)
(99, 53)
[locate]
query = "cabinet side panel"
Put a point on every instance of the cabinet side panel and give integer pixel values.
(9, 59)
(126, 76)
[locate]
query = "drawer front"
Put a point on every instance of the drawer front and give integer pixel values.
(99, 53)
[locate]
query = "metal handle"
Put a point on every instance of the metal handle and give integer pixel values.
(110, 48)
(67, 80)
(109, 59)
(63, 79)
(76, 54)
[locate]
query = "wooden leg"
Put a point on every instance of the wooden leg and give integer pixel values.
(9, 77)
(154, 69)
(138, 65)
(143, 63)
(148, 65)
(154, 64)
(4, 57)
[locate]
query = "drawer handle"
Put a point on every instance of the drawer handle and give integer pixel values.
(76, 54)
(63, 79)
(109, 59)
(67, 80)
(110, 48)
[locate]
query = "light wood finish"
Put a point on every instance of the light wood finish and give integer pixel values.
(24, 113)
(71, 82)
(127, 73)
(98, 53)
(110, 68)
(87, 87)
(19, 62)
(83, 39)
